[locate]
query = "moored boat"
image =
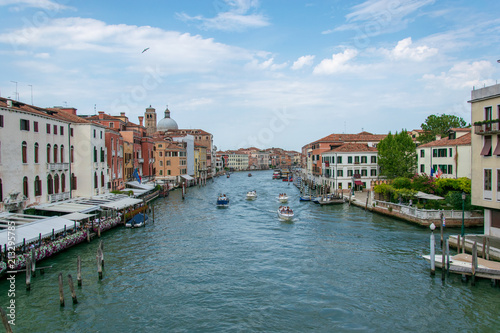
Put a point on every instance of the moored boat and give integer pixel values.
(222, 201)
(139, 220)
(305, 198)
(285, 213)
(252, 195)
(331, 199)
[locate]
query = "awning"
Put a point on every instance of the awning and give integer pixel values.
(187, 177)
(121, 204)
(422, 195)
(31, 231)
(358, 182)
(67, 207)
(487, 147)
(76, 216)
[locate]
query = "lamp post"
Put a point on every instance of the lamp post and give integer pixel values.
(463, 214)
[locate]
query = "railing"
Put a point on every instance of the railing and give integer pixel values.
(140, 160)
(57, 166)
(58, 196)
(490, 128)
(427, 214)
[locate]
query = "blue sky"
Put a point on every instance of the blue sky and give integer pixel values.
(254, 73)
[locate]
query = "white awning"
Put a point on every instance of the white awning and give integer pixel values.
(187, 177)
(31, 231)
(67, 207)
(141, 186)
(122, 203)
(76, 216)
(422, 195)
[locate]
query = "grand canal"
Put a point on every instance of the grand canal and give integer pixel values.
(203, 269)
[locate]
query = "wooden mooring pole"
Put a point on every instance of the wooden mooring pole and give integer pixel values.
(443, 261)
(99, 263)
(33, 263)
(5, 321)
(474, 263)
(72, 289)
(79, 271)
(28, 273)
(432, 255)
(61, 292)
(458, 243)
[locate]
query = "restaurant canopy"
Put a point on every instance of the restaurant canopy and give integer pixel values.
(31, 232)
(187, 177)
(122, 203)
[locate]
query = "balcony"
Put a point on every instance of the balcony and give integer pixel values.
(491, 127)
(140, 160)
(58, 196)
(57, 166)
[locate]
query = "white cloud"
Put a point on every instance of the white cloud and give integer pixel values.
(338, 63)
(234, 18)
(266, 64)
(42, 4)
(303, 61)
(463, 75)
(405, 50)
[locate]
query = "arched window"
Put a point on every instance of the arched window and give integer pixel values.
(38, 187)
(24, 152)
(73, 181)
(56, 183)
(102, 155)
(25, 187)
(95, 180)
(48, 153)
(55, 153)
(36, 152)
(62, 153)
(95, 155)
(63, 183)
(50, 185)
(102, 179)
(72, 151)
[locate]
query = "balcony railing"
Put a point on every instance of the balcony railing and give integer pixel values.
(58, 196)
(140, 160)
(489, 128)
(57, 166)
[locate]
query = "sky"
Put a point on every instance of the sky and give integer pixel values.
(262, 73)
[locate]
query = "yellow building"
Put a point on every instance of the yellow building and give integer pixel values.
(485, 161)
(200, 161)
(170, 160)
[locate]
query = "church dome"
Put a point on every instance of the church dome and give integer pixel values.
(167, 123)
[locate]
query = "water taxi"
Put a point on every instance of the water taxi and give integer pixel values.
(285, 213)
(283, 197)
(252, 195)
(222, 201)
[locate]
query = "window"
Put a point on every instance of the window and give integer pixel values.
(24, 152)
(62, 153)
(101, 134)
(55, 129)
(161, 163)
(63, 183)
(35, 126)
(168, 163)
(364, 172)
(56, 183)
(451, 152)
(422, 168)
(498, 183)
(71, 131)
(442, 152)
(38, 186)
(487, 179)
(339, 159)
(55, 153)
(450, 169)
(486, 151)
(48, 128)
(356, 159)
(25, 125)
(364, 159)
(36, 152)
(160, 153)
(161, 172)
(1, 120)
(25, 187)
(349, 173)
(374, 159)
(102, 179)
(95, 133)
(373, 172)
(111, 125)
(95, 155)
(340, 173)
(61, 130)
(102, 155)
(340, 186)
(349, 160)
(168, 172)
(497, 149)
(48, 153)
(95, 179)
(72, 154)
(1, 190)
(422, 153)
(73, 181)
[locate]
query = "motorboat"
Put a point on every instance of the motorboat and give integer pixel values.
(305, 198)
(285, 213)
(331, 199)
(139, 220)
(252, 195)
(222, 201)
(283, 198)
(249, 175)
(227, 175)
(276, 174)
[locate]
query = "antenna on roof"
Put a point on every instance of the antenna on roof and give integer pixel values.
(95, 109)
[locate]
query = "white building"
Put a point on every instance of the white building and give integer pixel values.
(347, 164)
(189, 140)
(238, 161)
(34, 156)
(452, 155)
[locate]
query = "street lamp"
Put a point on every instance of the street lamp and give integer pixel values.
(463, 213)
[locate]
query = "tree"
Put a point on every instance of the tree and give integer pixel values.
(439, 125)
(397, 156)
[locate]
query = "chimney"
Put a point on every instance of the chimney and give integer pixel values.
(438, 137)
(67, 110)
(141, 118)
(101, 112)
(9, 103)
(122, 114)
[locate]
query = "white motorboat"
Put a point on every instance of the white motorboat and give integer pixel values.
(285, 213)
(283, 198)
(252, 195)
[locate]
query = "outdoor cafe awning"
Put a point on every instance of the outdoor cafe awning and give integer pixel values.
(187, 177)
(122, 203)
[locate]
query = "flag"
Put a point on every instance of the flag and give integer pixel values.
(137, 176)
(439, 172)
(432, 172)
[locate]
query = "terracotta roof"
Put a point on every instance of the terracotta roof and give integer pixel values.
(461, 141)
(353, 147)
(363, 136)
(466, 129)
(104, 117)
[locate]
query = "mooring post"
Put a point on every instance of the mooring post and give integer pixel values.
(487, 248)
(432, 254)
(441, 228)
(367, 196)
(79, 271)
(5, 321)
(484, 248)
(101, 246)
(448, 257)
(458, 243)
(28, 273)
(99, 263)
(72, 289)
(153, 213)
(61, 292)
(443, 261)
(474, 263)
(33, 263)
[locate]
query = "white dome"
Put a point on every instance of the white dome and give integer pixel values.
(167, 123)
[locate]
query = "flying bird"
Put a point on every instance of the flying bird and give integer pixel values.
(147, 48)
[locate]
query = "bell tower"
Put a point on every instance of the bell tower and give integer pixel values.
(150, 123)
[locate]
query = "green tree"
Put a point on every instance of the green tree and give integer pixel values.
(397, 156)
(439, 125)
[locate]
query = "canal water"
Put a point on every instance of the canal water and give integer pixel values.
(199, 268)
